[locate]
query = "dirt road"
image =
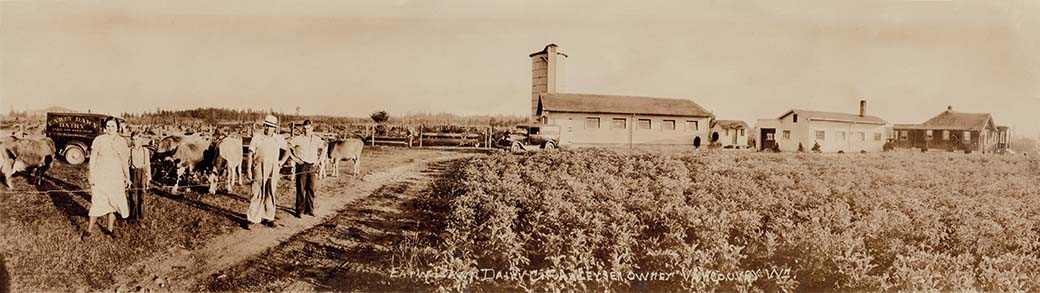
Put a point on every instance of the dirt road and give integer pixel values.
(183, 270)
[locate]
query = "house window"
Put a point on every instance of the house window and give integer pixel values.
(928, 135)
(904, 134)
(862, 136)
(691, 125)
(877, 136)
(841, 135)
(727, 132)
(787, 134)
(644, 123)
(769, 136)
(795, 118)
(669, 125)
(592, 122)
(619, 123)
(741, 132)
(821, 135)
(967, 136)
(946, 135)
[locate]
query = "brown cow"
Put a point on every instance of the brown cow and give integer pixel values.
(33, 155)
(349, 149)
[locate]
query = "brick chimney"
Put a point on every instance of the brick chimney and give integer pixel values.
(862, 107)
(543, 75)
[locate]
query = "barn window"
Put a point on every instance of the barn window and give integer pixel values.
(967, 136)
(946, 135)
(669, 125)
(787, 134)
(877, 136)
(928, 135)
(821, 135)
(862, 136)
(795, 118)
(644, 123)
(691, 125)
(619, 123)
(592, 122)
(904, 134)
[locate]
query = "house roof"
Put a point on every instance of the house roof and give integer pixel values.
(960, 121)
(589, 103)
(951, 120)
(729, 124)
(836, 117)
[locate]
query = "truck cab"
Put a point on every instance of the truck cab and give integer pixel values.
(531, 136)
(74, 132)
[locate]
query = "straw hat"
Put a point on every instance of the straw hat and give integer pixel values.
(271, 121)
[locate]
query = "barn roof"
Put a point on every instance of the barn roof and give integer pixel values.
(589, 103)
(836, 117)
(729, 124)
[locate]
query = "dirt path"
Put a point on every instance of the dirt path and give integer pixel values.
(183, 270)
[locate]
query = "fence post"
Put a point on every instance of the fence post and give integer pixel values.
(372, 135)
(420, 135)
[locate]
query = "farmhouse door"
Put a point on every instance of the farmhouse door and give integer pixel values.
(567, 131)
(768, 138)
(735, 137)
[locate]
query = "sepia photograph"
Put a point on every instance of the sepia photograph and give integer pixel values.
(519, 146)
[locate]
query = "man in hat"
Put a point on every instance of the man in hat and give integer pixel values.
(306, 153)
(265, 150)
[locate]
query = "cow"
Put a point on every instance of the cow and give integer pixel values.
(229, 158)
(323, 161)
(349, 149)
(189, 154)
(33, 155)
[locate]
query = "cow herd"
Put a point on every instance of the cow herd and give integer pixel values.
(177, 159)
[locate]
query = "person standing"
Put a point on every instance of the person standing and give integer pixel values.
(109, 176)
(140, 177)
(265, 150)
(306, 153)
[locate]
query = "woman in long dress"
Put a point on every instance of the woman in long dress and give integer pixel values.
(109, 177)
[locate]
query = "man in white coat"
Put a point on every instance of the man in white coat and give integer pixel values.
(265, 152)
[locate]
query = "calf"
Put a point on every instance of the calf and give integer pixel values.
(349, 149)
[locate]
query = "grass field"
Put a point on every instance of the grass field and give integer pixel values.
(41, 246)
(741, 221)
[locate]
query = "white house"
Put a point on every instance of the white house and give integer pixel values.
(730, 133)
(834, 132)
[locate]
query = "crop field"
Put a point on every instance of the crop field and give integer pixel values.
(633, 220)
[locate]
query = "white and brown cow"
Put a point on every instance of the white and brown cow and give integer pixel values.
(189, 154)
(349, 149)
(33, 155)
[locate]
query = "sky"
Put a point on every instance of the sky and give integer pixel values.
(741, 60)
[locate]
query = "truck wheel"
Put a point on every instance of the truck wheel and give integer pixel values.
(516, 147)
(74, 154)
(550, 146)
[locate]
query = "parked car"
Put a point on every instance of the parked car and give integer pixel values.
(531, 136)
(73, 132)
